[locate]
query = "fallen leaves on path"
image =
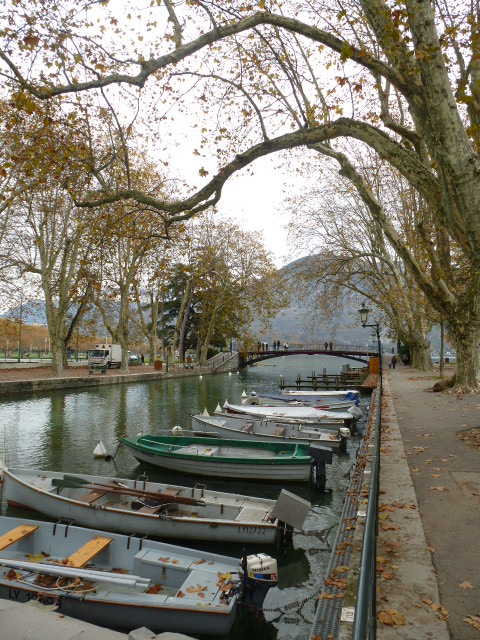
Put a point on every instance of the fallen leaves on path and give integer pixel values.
(391, 617)
(466, 585)
(439, 488)
(437, 608)
(474, 621)
(471, 438)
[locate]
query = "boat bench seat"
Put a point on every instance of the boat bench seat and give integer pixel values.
(91, 496)
(252, 514)
(156, 558)
(200, 586)
(89, 550)
(16, 534)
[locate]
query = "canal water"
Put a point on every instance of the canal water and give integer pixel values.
(59, 430)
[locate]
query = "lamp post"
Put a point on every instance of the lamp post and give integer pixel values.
(376, 332)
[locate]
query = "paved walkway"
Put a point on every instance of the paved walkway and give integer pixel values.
(445, 471)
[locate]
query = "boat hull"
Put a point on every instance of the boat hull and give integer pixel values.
(279, 473)
(239, 529)
(306, 414)
(122, 615)
(263, 430)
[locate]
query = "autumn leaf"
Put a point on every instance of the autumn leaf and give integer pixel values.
(341, 569)
(474, 621)
(203, 172)
(391, 617)
(439, 488)
(466, 585)
(197, 589)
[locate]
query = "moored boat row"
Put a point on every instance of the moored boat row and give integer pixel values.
(95, 576)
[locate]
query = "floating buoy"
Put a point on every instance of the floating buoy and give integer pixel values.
(99, 451)
(229, 373)
(177, 430)
(244, 393)
(200, 377)
(238, 372)
(139, 434)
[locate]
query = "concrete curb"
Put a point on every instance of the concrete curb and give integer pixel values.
(87, 382)
(35, 621)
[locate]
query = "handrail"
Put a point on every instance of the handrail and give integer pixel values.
(364, 625)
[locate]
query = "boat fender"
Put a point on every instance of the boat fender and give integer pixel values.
(99, 451)
(345, 432)
(177, 430)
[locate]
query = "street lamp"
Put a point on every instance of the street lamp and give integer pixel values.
(375, 333)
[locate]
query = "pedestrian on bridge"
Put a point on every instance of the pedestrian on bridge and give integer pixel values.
(326, 345)
(394, 361)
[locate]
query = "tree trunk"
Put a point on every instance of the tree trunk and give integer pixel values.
(176, 333)
(468, 369)
(420, 356)
(183, 328)
(442, 347)
(57, 346)
(152, 334)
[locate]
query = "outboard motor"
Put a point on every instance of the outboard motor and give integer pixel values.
(259, 574)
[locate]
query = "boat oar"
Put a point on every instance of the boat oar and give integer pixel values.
(75, 482)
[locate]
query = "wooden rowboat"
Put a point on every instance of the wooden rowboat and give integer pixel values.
(126, 582)
(270, 461)
(162, 510)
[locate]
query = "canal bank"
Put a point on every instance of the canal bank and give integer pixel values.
(31, 380)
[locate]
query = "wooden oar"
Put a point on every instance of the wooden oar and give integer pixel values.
(74, 482)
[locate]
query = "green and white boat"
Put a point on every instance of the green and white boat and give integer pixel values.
(224, 458)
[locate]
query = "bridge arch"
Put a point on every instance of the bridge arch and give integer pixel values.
(248, 358)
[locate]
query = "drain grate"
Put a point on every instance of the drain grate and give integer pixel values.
(329, 609)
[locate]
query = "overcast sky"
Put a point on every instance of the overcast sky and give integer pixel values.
(256, 203)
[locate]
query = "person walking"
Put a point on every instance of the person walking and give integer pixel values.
(394, 361)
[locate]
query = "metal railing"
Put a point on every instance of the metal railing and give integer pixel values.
(364, 625)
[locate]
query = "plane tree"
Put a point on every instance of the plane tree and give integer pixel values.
(402, 79)
(350, 253)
